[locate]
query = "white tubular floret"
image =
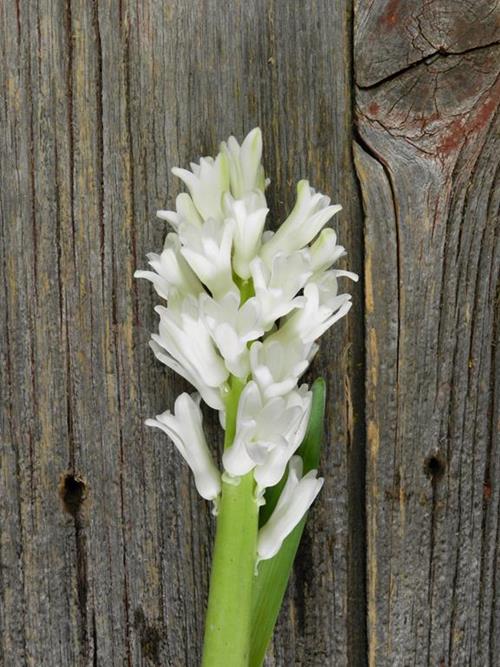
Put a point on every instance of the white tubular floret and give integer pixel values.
(277, 365)
(246, 172)
(207, 183)
(207, 249)
(171, 271)
(276, 286)
(271, 470)
(323, 306)
(184, 335)
(185, 429)
(232, 328)
(261, 426)
(248, 217)
(296, 498)
(308, 217)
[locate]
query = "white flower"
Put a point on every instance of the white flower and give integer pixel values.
(207, 249)
(171, 271)
(277, 365)
(184, 339)
(232, 328)
(246, 172)
(211, 395)
(248, 217)
(277, 284)
(328, 285)
(207, 183)
(322, 308)
(186, 212)
(324, 251)
(295, 499)
(262, 426)
(309, 215)
(271, 470)
(185, 429)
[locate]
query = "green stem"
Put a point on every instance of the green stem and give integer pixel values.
(227, 625)
(246, 288)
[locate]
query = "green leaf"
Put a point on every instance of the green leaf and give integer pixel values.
(272, 579)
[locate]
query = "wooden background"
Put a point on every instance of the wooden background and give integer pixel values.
(389, 106)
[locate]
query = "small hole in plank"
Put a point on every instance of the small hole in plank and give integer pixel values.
(73, 492)
(434, 467)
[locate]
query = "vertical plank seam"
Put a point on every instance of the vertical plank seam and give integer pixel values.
(100, 140)
(80, 538)
(359, 481)
(125, 24)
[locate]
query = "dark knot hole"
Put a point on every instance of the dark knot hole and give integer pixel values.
(434, 467)
(73, 492)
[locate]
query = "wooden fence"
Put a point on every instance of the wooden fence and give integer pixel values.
(390, 107)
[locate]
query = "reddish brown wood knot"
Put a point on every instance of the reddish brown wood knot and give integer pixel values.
(73, 492)
(434, 466)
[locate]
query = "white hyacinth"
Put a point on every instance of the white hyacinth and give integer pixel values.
(246, 304)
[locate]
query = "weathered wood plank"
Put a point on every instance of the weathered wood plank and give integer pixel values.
(39, 574)
(427, 160)
(101, 100)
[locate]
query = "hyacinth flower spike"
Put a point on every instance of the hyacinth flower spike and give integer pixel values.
(241, 314)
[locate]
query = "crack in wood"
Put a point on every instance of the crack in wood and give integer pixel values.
(426, 60)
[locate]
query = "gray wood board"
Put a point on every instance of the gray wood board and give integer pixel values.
(427, 159)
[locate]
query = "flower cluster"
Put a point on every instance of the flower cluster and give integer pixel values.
(248, 305)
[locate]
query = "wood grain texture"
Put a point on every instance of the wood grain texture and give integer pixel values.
(104, 543)
(100, 101)
(427, 160)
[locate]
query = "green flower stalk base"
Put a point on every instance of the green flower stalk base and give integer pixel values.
(227, 628)
(227, 625)
(242, 607)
